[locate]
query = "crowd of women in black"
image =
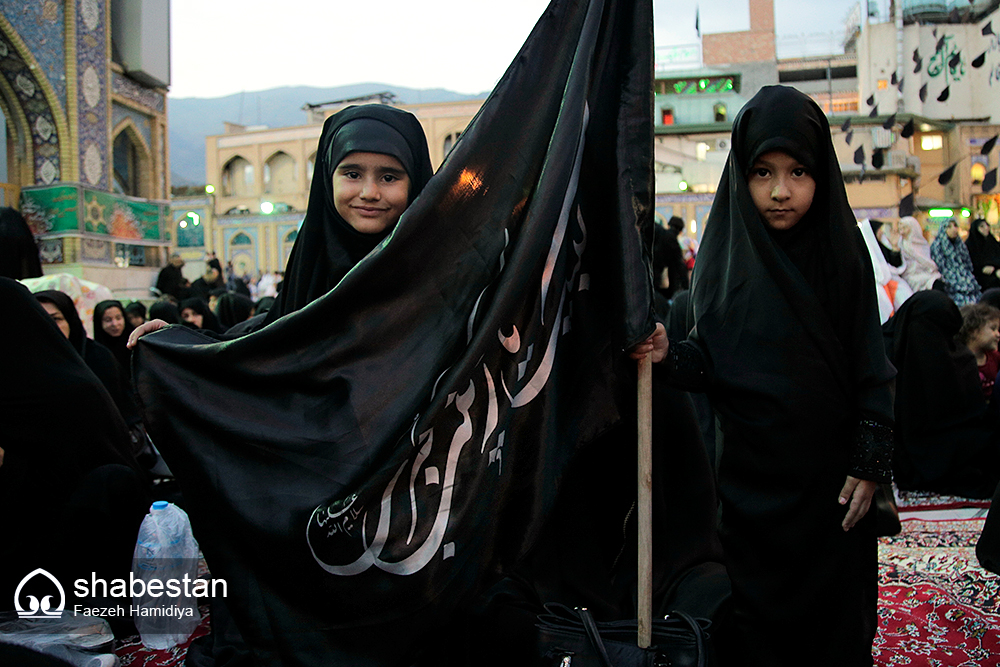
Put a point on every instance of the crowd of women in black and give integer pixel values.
(780, 330)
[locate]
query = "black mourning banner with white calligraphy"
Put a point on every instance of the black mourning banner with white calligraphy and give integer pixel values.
(361, 468)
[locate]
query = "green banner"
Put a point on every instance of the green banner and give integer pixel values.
(56, 209)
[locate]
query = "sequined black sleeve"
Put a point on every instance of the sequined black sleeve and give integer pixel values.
(872, 455)
(686, 366)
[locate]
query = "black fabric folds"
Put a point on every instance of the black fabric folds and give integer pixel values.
(788, 323)
(59, 425)
(327, 247)
(359, 469)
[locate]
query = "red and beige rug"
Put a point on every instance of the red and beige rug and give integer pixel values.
(937, 607)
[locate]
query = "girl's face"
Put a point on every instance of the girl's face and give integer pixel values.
(987, 337)
(57, 317)
(983, 228)
(782, 189)
(952, 230)
(135, 319)
(113, 321)
(370, 191)
(193, 317)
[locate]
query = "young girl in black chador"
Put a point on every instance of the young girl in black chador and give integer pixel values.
(786, 341)
(371, 163)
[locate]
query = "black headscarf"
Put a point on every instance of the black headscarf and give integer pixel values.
(117, 345)
(208, 319)
(166, 311)
(769, 291)
(232, 309)
(18, 251)
(97, 357)
(984, 251)
(327, 247)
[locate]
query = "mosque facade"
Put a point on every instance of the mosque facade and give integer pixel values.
(83, 93)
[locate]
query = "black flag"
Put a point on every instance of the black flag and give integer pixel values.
(871, 100)
(878, 158)
(873, 112)
(850, 137)
(988, 146)
(943, 95)
(907, 130)
(988, 28)
(906, 206)
(923, 93)
(955, 59)
(945, 177)
(846, 126)
(360, 468)
(990, 180)
(890, 122)
(980, 60)
(859, 155)
(917, 65)
(895, 79)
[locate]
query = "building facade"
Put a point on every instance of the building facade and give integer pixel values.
(83, 94)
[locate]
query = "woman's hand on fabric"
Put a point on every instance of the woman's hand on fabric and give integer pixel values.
(143, 329)
(657, 344)
(857, 492)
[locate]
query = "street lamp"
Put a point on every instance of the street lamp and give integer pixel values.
(267, 208)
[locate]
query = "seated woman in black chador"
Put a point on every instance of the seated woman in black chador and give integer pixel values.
(984, 251)
(786, 341)
(371, 164)
(945, 434)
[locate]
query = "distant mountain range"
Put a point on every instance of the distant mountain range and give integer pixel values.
(194, 118)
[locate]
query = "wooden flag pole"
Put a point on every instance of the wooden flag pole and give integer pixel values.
(645, 502)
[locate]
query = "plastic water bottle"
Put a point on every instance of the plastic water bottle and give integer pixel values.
(165, 553)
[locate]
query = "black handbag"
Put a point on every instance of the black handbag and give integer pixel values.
(572, 638)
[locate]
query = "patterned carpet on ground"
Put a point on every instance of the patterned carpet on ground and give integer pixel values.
(937, 607)
(910, 501)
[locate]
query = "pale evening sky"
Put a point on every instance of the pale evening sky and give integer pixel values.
(220, 47)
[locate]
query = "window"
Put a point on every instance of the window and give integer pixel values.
(126, 165)
(450, 141)
(279, 173)
(668, 115)
(720, 112)
(241, 239)
(237, 178)
(931, 142)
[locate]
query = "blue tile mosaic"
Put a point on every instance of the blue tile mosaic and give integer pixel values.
(135, 92)
(143, 123)
(40, 25)
(92, 94)
(41, 117)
